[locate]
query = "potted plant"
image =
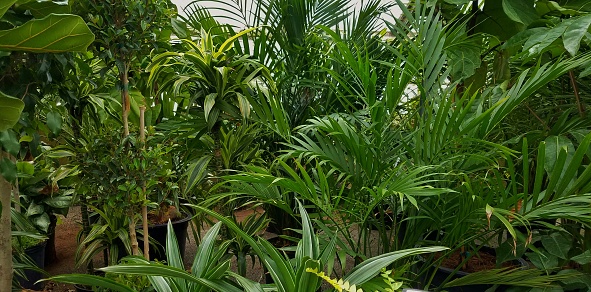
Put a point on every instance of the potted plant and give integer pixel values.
(28, 252)
(43, 195)
(124, 176)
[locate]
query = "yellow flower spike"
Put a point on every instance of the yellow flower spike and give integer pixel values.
(339, 284)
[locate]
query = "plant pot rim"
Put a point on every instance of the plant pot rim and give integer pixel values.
(186, 217)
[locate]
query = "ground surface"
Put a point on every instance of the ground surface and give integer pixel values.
(66, 232)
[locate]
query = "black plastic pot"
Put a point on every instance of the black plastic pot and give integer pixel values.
(158, 234)
(50, 252)
(37, 255)
(443, 273)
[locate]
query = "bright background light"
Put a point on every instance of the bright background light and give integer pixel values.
(181, 4)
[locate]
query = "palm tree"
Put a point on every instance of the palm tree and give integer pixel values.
(287, 39)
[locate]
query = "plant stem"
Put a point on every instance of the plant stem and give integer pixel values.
(125, 104)
(5, 234)
(580, 105)
(144, 206)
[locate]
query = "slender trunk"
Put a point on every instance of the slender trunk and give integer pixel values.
(125, 104)
(144, 207)
(580, 105)
(16, 193)
(5, 234)
(133, 235)
(83, 201)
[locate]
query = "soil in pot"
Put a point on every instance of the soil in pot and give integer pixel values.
(483, 261)
(37, 255)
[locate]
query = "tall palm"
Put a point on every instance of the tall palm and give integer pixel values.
(287, 39)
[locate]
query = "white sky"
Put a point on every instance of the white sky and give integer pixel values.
(395, 10)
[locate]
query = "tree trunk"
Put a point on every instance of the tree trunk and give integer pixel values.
(144, 207)
(125, 104)
(133, 235)
(5, 234)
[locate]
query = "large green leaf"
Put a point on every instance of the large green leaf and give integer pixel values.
(557, 244)
(166, 271)
(543, 261)
(464, 61)
(11, 109)
(371, 267)
(495, 21)
(522, 11)
(54, 122)
(59, 202)
(42, 8)
(554, 145)
(9, 142)
(574, 34)
(5, 5)
(53, 34)
(8, 169)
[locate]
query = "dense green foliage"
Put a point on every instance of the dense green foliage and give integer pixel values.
(459, 123)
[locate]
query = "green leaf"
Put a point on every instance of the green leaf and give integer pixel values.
(209, 104)
(54, 122)
(60, 154)
(166, 271)
(521, 11)
(230, 41)
(544, 38)
(59, 202)
(557, 244)
(40, 9)
(464, 61)
(35, 209)
(25, 167)
(4, 6)
(371, 267)
(583, 258)
(543, 261)
(8, 169)
(197, 172)
(554, 145)
(52, 34)
(544, 7)
(574, 34)
(9, 142)
(11, 109)
(42, 221)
